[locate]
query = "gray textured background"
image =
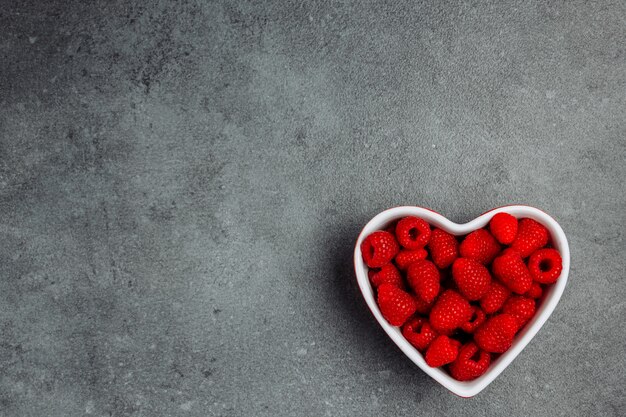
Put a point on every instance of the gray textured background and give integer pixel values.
(181, 184)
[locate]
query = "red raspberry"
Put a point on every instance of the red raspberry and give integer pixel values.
(388, 274)
(422, 306)
(412, 232)
(441, 351)
(477, 319)
(406, 257)
(522, 308)
(503, 227)
(545, 265)
(379, 248)
(419, 333)
(495, 298)
(471, 277)
(444, 248)
(423, 276)
(450, 311)
(470, 363)
(535, 291)
(511, 270)
(496, 335)
(396, 305)
(531, 235)
(480, 246)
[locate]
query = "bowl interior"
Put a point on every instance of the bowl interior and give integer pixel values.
(546, 305)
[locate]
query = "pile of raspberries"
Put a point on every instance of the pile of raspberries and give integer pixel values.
(461, 300)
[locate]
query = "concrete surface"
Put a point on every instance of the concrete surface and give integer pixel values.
(181, 184)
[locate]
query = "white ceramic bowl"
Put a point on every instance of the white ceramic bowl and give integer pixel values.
(547, 304)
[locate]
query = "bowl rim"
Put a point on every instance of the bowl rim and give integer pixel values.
(550, 299)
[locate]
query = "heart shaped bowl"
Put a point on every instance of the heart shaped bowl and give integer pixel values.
(546, 304)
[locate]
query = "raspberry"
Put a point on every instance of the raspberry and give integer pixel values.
(495, 297)
(419, 333)
(479, 246)
(470, 363)
(477, 319)
(379, 248)
(422, 306)
(388, 274)
(450, 311)
(522, 308)
(511, 270)
(535, 291)
(471, 277)
(496, 335)
(412, 232)
(503, 227)
(441, 351)
(423, 277)
(531, 236)
(396, 305)
(406, 257)
(545, 265)
(444, 248)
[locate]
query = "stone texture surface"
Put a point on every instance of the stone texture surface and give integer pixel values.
(181, 184)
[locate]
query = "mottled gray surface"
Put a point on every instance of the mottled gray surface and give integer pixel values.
(181, 184)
